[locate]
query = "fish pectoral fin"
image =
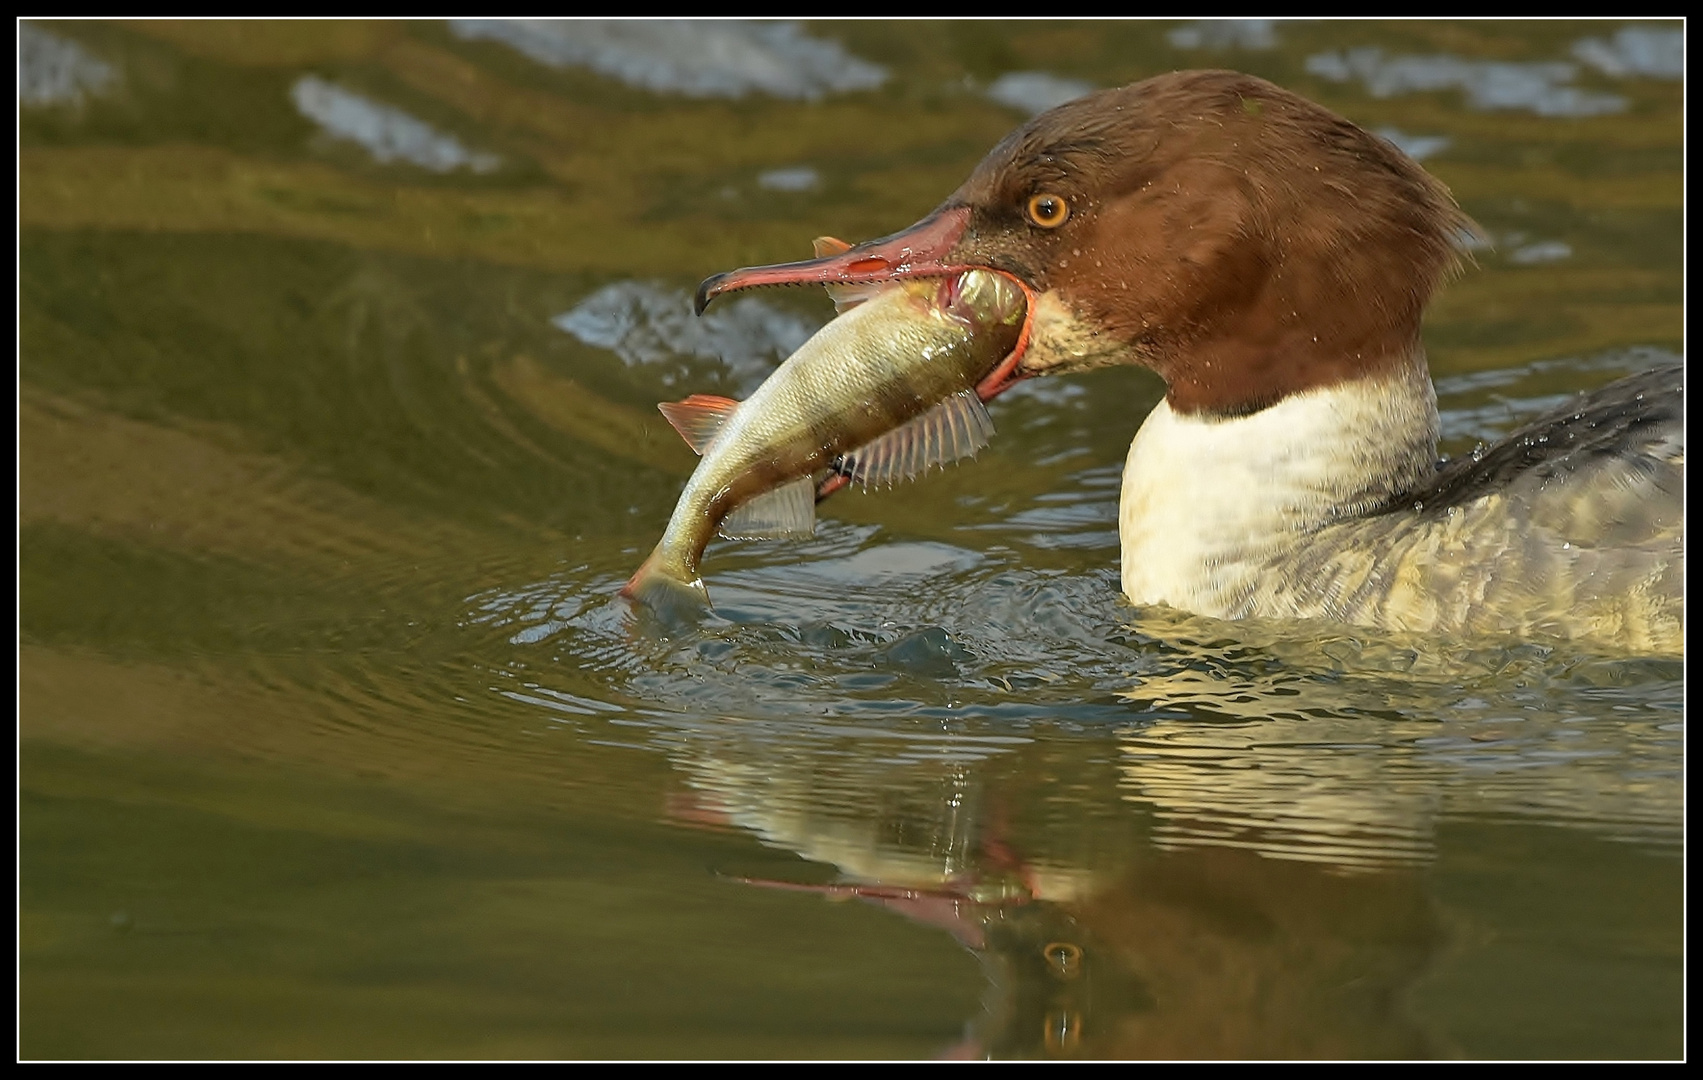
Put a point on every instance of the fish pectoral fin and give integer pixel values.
(699, 418)
(956, 428)
(789, 510)
(846, 297)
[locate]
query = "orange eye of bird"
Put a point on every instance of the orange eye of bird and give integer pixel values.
(1048, 211)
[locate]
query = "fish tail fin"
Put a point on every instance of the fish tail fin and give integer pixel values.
(667, 588)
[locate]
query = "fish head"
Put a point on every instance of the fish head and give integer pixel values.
(921, 261)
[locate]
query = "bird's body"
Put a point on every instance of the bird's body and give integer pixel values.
(1271, 261)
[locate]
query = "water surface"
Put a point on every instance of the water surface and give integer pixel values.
(339, 352)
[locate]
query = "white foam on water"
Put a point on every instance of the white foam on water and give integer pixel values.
(1489, 85)
(1646, 51)
(1225, 34)
(387, 133)
(1417, 147)
(651, 325)
(798, 178)
(695, 58)
(1035, 92)
(1544, 251)
(56, 71)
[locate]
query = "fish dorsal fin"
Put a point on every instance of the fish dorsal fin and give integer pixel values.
(845, 297)
(956, 428)
(789, 510)
(699, 418)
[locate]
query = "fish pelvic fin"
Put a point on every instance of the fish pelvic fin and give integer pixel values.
(699, 418)
(956, 428)
(789, 511)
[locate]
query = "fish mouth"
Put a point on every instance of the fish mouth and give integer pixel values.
(923, 250)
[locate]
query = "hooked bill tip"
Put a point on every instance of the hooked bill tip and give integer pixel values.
(707, 290)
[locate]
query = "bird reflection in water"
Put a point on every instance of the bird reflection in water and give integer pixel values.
(1101, 934)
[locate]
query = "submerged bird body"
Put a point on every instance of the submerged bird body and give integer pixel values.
(1271, 262)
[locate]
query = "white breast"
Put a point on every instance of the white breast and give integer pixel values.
(1209, 505)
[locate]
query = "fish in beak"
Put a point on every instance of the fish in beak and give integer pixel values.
(882, 393)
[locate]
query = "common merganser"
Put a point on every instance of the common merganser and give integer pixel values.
(1271, 261)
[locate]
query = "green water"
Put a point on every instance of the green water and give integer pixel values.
(334, 741)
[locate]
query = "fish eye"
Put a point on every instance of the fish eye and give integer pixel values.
(1048, 211)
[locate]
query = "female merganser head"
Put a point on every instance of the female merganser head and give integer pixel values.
(1271, 262)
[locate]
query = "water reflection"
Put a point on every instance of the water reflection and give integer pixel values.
(1226, 855)
(1096, 938)
(1352, 748)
